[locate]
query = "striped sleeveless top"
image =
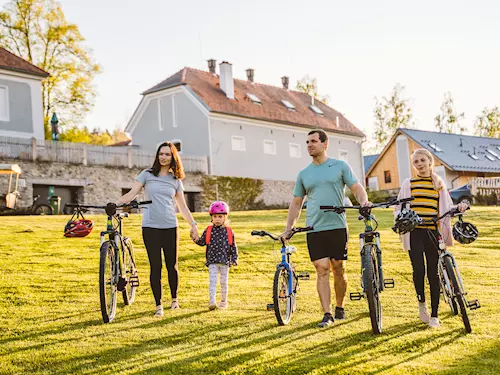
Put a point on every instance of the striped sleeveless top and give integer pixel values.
(426, 202)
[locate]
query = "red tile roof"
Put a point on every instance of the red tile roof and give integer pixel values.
(9, 61)
(206, 86)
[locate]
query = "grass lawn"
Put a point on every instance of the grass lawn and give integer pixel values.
(50, 320)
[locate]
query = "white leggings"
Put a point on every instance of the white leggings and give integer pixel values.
(213, 271)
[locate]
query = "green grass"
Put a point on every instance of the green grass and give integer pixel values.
(50, 319)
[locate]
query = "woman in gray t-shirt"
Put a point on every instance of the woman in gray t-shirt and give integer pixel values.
(163, 185)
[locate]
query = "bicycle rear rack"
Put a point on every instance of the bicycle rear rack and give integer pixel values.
(474, 304)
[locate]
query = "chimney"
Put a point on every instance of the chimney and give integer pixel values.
(226, 79)
(212, 65)
(250, 73)
(285, 81)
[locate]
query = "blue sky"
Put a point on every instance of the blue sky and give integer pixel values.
(357, 50)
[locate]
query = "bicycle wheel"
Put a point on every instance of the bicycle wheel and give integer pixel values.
(42, 209)
(444, 280)
(371, 281)
(131, 272)
(282, 300)
(457, 292)
(107, 282)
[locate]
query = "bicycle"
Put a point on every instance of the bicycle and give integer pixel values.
(117, 266)
(285, 287)
(372, 278)
(452, 286)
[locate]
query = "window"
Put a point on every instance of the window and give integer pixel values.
(435, 147)
(237, 143)
(294, 150)
(493, 153)
(343, 155)
(4, 103)
(178, 144)
(254, 98)
(289, 105)
(441, 172)
(269, 147)
(489, 157)
(373, 183)
(174, 113)
(316, 109)
(160, 124)
(474, 156)
(387, 177)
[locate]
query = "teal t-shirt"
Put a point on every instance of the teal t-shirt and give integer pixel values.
(324, 185)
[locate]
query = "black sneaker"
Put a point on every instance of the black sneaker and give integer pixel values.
(327, 320)
(339, 313)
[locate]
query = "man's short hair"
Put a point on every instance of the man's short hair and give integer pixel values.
(322, 134)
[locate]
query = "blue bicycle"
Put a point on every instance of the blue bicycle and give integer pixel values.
(286, 280)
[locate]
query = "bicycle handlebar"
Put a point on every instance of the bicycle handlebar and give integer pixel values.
(110, 206)
(451, 213)
(263, 233)
(365, 210)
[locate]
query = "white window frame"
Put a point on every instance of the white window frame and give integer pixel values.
(440, 170)
(371, 180)
(6, 117)
(298, 154)
(160, 119)
(272, 144)
(174, 112)
(237, 138)
(346, 159)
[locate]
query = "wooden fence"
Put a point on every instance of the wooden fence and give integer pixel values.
(82, 153)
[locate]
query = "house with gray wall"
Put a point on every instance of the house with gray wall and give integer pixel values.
(21, 113)
(245, 129)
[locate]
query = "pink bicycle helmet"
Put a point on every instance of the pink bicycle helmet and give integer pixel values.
(219, 207)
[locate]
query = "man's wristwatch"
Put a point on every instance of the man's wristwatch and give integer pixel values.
(194, 223)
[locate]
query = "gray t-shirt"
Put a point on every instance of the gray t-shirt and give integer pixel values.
(324, 185)
(160, 214)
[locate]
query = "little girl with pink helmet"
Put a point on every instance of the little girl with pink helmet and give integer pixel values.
(221, 252)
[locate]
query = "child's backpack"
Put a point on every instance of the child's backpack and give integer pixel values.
(229, 231)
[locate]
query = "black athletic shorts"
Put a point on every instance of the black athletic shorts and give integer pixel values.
(328, 244)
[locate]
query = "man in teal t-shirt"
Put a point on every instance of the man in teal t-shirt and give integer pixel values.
(323, 181)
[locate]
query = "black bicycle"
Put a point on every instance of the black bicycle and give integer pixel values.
(452, 286)
(286, 280)
(117, 267)
(372, 277)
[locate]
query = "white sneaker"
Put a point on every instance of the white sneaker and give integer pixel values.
(212, 306)
(434, 323)
(159, 311)
(175, 305)
(223, 305)
(423, 312)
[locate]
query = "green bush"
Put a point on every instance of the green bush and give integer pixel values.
(239, 193)
(486, 199)
(376, 196)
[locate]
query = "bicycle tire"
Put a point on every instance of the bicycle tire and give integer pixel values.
(458, 293)
(43, 209)
(446, 290)
(106, 284)
(281, 297)
(370, 269)
(131, 272)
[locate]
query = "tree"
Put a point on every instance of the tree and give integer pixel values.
(38, 31)
(448, 120)
(390, 114)
(310, 86)
(488, 123)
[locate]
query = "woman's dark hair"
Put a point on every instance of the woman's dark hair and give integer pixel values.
(175, 164)
(322, 134)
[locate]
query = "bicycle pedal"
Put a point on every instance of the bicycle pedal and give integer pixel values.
(122, 284)
(134, 281)
(303, 276)
(389, 283)
(474, 304)
(270, 306)
(356, 296)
